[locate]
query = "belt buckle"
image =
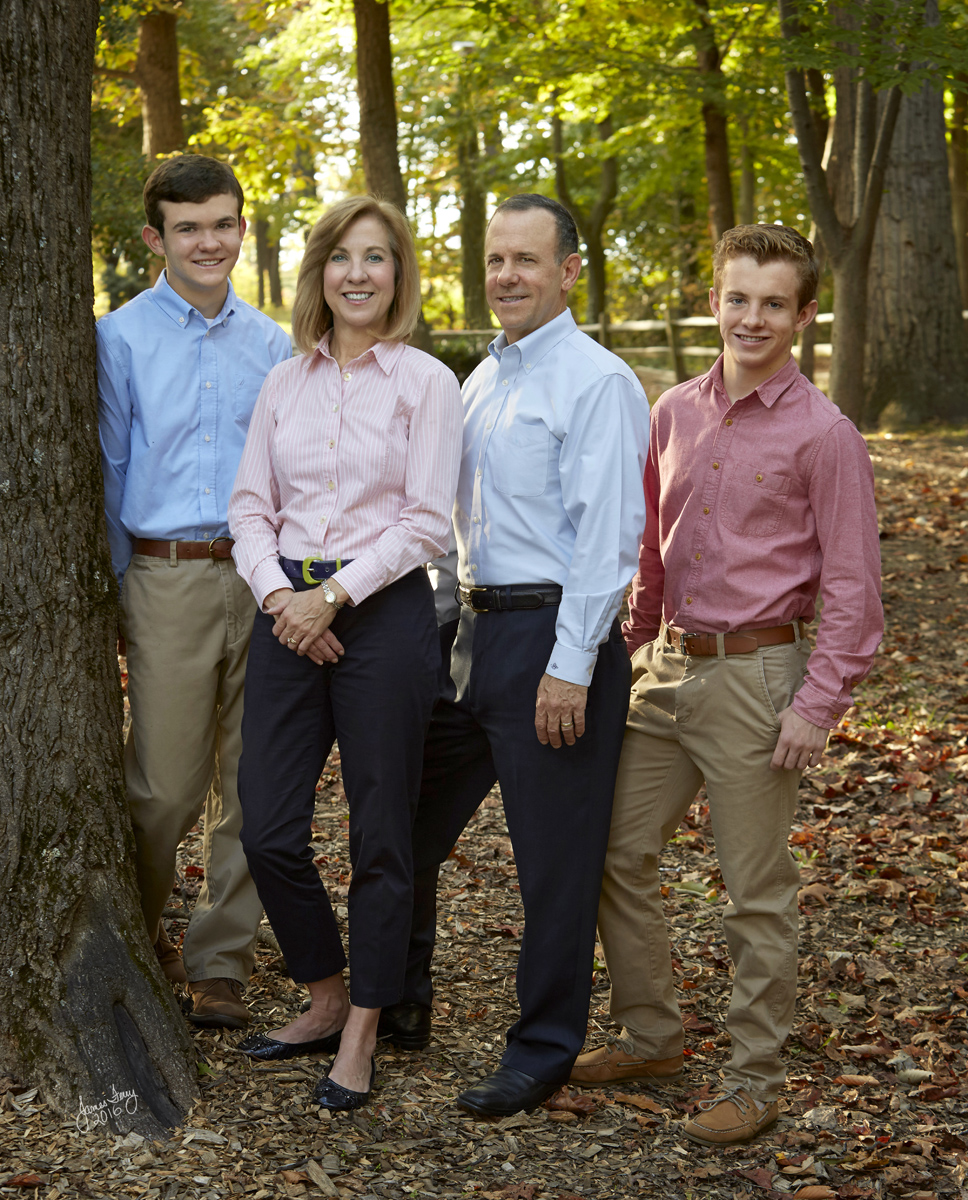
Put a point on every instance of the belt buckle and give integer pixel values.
(470, 592)
(211, 544)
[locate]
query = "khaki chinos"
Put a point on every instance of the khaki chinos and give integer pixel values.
(713, 719)
(187, 624)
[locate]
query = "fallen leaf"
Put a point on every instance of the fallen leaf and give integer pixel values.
(25, 1179)
(564, 1101)
(639, 1102)
(859, 1080)
(815, 1192)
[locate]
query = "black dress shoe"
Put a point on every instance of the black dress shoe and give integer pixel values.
(405, 1025)
(267, 1049)
(505, 1092)
(335, 1097)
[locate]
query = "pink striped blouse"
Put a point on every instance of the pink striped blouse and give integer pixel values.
(357, 464)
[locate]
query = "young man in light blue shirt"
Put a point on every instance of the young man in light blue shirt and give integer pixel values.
(179, 370)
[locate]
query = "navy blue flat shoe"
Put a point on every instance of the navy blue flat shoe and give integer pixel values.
(335, 1097)
(267, 1049)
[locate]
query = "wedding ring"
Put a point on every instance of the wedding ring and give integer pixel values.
(566, 724)
(290, 640)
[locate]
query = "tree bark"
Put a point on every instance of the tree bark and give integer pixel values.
(157, 73)
(473, 223)
(848, 242)
(378, 107)
(84, 1011)
(719, 182)
(272, 270)
(590, 221)
(261, 247)
(959, 184)
(378, 118)
(917, 367)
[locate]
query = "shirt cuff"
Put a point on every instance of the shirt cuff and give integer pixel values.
(359, 579)
(813, 709)
(269, 577)
(573, 666)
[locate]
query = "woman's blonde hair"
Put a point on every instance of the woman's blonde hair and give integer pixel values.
(312, 316)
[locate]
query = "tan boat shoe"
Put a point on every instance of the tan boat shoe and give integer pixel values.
(169, 959)
(612, 1063)
(217, 1003)
(730, 1117)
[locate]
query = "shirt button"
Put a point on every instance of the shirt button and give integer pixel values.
(322, 520)
(729, 420)
(477, 520)
(527, 366)
(689, 599)
(347, 375)
(208, 491)
(473, 566)
(705, 510)
(330, 484)
(208, 383)
(759, 479)
(489, 425)
(698, 557)
(335, 408)
(504, 383)
(479, 473)
(715, 466)
(181, 320)
(331, 443)
(207, 438)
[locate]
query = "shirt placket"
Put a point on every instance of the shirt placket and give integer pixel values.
(332, 424)
(503, 382)
(708, 501)
(209, 383)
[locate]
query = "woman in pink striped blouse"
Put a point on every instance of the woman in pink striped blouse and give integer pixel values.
(345, 489)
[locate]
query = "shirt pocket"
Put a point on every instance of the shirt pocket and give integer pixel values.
(519, 461)
(245, 392)
(753, 499)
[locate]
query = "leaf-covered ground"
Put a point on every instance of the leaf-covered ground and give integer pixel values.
(876, 1103)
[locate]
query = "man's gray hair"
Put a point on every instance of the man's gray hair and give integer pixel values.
(564, 221)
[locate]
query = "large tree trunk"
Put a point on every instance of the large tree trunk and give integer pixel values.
(719, 183)
(917, 367)
(959, 185)
(473, 223)
(378, 117)
(157, 73)
(848, 240)
(84, 1010)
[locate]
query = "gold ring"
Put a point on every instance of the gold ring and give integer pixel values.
(566, 724)
(290, 640)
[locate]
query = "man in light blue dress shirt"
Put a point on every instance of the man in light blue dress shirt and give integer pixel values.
(548, 520)
(179, 370)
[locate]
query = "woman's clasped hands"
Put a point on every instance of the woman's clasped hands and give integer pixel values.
(303, 622)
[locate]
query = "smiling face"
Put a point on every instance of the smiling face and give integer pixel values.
(200, 244)
(359, 279)
(526, 285)
(759, 316)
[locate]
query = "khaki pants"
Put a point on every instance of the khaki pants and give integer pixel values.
(693, 720)
(187, 628)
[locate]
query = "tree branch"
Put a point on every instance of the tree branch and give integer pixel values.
(874, 184)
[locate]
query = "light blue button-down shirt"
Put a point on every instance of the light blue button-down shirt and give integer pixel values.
(175, 394)
(556, 432)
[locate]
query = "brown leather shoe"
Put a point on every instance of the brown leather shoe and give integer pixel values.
(612, 1063)
(217, 1003)
(729, 1117)
(169, 958)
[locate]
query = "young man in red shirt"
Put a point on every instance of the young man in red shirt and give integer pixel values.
(759, 495)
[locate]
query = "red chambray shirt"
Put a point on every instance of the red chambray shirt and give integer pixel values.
(752, 509)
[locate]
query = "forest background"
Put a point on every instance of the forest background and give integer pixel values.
(659, 124)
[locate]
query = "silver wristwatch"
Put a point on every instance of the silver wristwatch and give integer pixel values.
(330, 595)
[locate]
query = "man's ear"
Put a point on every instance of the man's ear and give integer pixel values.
(153, 240)
(714, 302)
(242, 227)
(806, 315)
(570, 270)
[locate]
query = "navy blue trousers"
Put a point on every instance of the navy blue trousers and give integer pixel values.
(376, 703)
(558, 805)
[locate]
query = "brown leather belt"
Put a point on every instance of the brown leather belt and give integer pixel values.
(220, 547)
(743, 641)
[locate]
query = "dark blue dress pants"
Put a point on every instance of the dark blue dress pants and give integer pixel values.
(376, 703)
(558, 806)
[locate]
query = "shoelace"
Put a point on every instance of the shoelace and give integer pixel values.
(732, 1094)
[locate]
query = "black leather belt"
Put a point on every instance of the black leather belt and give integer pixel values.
(312, 570)
(508, 597)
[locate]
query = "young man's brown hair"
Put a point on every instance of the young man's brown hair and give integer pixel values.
(769, 243)
(188, 179)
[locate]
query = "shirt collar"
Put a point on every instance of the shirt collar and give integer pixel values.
(386, 354)
(178, 309)
(768, 392)
(537, 344)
